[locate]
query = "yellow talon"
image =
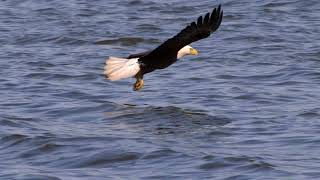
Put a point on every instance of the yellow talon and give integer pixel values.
(138, 85)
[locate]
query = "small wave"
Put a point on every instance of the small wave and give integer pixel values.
(139, 3)
(102, 159)
(278, 4)
(30, 39)
(39, 177)
(40, 150)
(214, 165)
(126, 41)
(43, 64)
(60, 76)
(178, 10)
(258, 166)
(310, 114)
(12, 139)
(149, 27)
(237, 162)
(252, 77)
(159, 154)
(15, 121)
(65, 40)
(47, 11)
(28, 145)
(47, 75)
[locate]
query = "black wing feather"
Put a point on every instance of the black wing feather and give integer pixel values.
(138, 55)
(165, 54)
(206, 19)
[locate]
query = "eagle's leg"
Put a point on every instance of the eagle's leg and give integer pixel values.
(139, 83)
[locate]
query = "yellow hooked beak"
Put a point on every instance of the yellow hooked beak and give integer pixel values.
(193, 51)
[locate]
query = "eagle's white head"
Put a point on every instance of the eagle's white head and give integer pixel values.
(187, 50)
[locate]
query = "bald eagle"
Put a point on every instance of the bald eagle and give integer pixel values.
(136, 65)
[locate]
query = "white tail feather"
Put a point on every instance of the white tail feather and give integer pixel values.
(120, 68)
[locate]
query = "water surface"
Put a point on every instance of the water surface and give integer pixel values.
(247, 107)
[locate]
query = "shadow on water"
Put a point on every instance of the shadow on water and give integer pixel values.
(165, 120)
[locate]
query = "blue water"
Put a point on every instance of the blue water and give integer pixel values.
(247, 107)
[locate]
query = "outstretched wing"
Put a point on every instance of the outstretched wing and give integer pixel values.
(193, 32)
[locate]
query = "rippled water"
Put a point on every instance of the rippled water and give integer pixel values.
(247, 107)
